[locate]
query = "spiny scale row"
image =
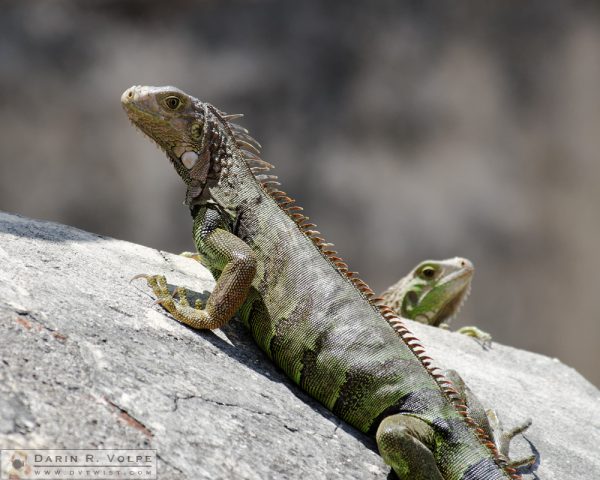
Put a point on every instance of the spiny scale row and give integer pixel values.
(251, 150)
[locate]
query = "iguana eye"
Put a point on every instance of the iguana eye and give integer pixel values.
(172, 102)
(428, 272)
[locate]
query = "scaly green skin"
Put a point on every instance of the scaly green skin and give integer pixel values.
(433, 293)
(300, 304)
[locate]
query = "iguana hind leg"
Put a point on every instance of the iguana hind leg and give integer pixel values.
(502, 438)
(489, 421)
(238, 268)
(404, 443)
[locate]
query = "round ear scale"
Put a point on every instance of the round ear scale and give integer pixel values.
(189, 159)
(250, 149)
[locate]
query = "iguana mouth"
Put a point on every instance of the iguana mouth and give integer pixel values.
(139, 117)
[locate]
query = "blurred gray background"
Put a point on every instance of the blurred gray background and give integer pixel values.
(407, 129)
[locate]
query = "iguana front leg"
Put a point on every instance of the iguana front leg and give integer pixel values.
(405, 443)
(222, 251)
(472, 331)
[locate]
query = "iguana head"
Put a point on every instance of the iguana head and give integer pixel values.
(436, 289)
(202, 142)
(188, 130)
(173, 119)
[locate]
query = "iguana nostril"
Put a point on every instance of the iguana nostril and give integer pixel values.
(128, 95)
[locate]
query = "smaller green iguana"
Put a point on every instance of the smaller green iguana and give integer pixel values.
(433, 293)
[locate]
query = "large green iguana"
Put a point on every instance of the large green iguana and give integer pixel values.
(312, 316)
(433, 293)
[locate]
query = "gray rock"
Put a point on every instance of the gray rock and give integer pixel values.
(89, 362)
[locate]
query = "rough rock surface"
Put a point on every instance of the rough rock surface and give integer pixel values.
(89, 362)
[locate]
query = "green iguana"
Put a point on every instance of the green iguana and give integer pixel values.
(313, 317)
(433, 293)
